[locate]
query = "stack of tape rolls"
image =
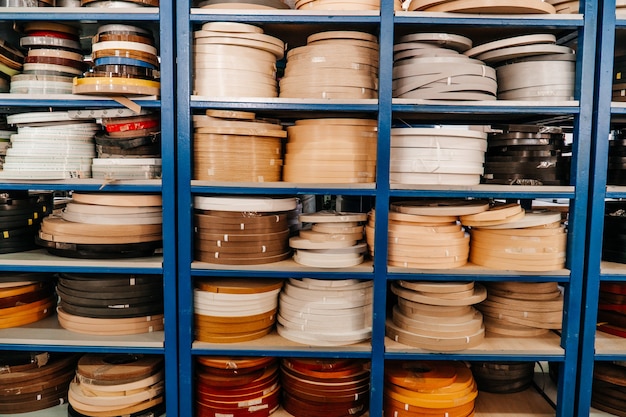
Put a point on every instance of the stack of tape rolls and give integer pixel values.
(325, 312)
(25, 298)
(106, 304)
(229, 311)
(616, 171)
(242, 4)
(129, 149)
(503, 377)
(331, 151)
(53, 59)
(607, 389)
(527, 155)
(612, 308)
(522, 309)
(432, 66)
(105, 226)
(565, 6)
(619, 75)
(11, 64)
(482, 7)
(428, 388)
(67, 3)
(119, 3)
(334, 240)
(614, 232)
(242, 230)
(236, 146)
(530, 67)
(34, 381)
(620, 6)
(21, 214)
(358, 5)
(437, 316)
(426, 234)
(333, 65)
(5, 143)
(26, 3)
(328, 387)
(49, 146)
(117, 385)
(534, 243)
(228, 386)
(125, 62)
(449, 155)
(235, 60)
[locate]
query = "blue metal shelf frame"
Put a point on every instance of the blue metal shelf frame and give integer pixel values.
(164, 17)
(586, 28)
(597, 191)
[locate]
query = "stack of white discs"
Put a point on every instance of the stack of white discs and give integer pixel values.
(425, 156)
(437, 316)
(537, 242)
(5, 143)
(426, 234)
(334, 240)
(235, 60)
(325, 312)
(431, 66)
(333, 65)
(486, 7)
(522, 309)
(49, 145)
(566, 6)
(530, 67)
(331, 151)
(338, 4)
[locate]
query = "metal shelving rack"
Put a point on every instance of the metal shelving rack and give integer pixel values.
(47, 334)
(562, 349)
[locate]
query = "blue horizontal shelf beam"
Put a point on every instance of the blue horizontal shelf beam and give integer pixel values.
(6, 101)
(609, 357)
(479, 276)
(486, 21)
(81, 187)
(80, 269)
(483, 194)
(82, 349)
(612, 278)
(295, 107)
(279, 274)
(285, 190)
(447, 109)
(473, 356)
(620, 23)
(618, 109)
(283, 352)
(88, 16)
(286, 18)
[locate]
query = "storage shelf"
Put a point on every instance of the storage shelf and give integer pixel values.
(285, 104)
(475, 272)
(58, 411)
(47, 334)
(530, 20)
(224, 187)
(40, 260)
(615, 191)
(284, 16)
(70, 100)
(79, 13)
(609, 347)
(483, 191)
(147, 186)
(283, 269)
(276, 344)
(494, 347)
(612, 271)
(510, 107)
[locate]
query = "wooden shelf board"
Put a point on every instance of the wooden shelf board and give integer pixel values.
(565, 17)
(548, 344)
(277, 343)
(528, 403)
(48, 332)
(87, 181)
(58, 411)
(495, 188)
(612, 268)
(608, 344)
(290, 12)
(278, 100)
(40, 257)
(288, 265)
(71, 97)
(471, 269)
(490, 103)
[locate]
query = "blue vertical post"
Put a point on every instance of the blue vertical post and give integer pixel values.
(185, 250)
(382, 205)
(597, 190)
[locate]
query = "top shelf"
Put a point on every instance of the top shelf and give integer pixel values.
(79, 13)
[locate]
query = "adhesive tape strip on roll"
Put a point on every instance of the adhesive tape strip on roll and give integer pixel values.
(244, 204)
(511, 42)
(489, 6)
(457, 42)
